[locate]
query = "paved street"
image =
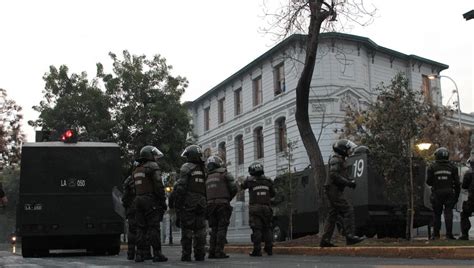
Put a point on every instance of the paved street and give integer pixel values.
(9, 259)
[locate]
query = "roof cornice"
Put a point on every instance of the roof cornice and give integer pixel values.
(301, 38)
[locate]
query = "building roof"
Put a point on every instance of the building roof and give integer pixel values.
(300, 38)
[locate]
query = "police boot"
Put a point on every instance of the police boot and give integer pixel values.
(450, 237)
(186, 258)
(255, 253)
(269, 250)
(353, 239)
(139, 257)
(130, 255)
(159, 257)
(435, 236)
(220, 255)
(326, 244)
(147, 254)
(464, 237)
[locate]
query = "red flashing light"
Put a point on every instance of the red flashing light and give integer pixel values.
(68, 133)
(68, 136)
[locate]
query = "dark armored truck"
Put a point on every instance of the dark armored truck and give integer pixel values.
(376, 211)
(66, 199)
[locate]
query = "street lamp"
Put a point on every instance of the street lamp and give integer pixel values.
(423, 146)
(434, 76)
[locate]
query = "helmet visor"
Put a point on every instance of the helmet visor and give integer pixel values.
(157, 153)
(350, 147)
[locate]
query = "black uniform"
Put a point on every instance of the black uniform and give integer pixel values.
(128, 201)
(339, 208)
(150, 206)
(220, 189)
(261, 191)
(443, 178)
(190, 203)
(468, 205)
(2, 193)
(3, 198)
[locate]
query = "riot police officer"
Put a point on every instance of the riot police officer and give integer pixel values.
(3, 197)
(128, 201)
(468, 205)
(190, 203)
(261, 191)
(220, 189)
(336, 181)
(150, 203)
(443, 178)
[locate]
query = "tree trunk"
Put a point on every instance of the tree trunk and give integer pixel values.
(302, 102)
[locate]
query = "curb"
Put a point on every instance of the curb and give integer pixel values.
(465, 252)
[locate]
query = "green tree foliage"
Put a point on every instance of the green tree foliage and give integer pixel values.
(11, 135)
(71, 101)
(146, 105)
(138, 105)
(390, 126)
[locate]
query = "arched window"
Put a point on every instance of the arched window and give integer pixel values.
(258, 141)
(280, 127)
(239, 150)
(221, 151)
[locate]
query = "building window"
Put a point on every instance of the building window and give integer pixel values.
(221, 110)
(207, 119)
(238, 101)
(239, 148)
(279, 79)
(221, 151)
(281, 135)
(258, 136)
(426, 87)
(257, 91)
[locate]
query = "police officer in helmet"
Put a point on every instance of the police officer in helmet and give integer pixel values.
(128, 201)
(150, 203)
(443, 178)
(468, 205)
(261, 191)
(337, 180)
(220, 189)
(190, 203)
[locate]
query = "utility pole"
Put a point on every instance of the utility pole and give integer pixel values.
(291, 145)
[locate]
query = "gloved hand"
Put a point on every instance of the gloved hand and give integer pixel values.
(352, 184)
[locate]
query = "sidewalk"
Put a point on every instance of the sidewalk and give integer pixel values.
(425, 252)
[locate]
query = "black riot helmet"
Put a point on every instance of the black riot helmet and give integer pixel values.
(343, 147)
(193, 153)
(256, 169)
(150, 153)
(470, 162)
(441, 153)
(214, 162)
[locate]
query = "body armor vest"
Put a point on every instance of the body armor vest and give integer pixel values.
(216, 187)
(197, 181)
(467, 182)
(143, 183)
(337, 167)
(443, 176)
(259, 192)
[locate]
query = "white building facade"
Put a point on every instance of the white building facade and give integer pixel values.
(250, 116)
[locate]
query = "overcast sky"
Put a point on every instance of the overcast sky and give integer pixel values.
(206, 41)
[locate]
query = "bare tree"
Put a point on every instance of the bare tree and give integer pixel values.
(312, 17)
